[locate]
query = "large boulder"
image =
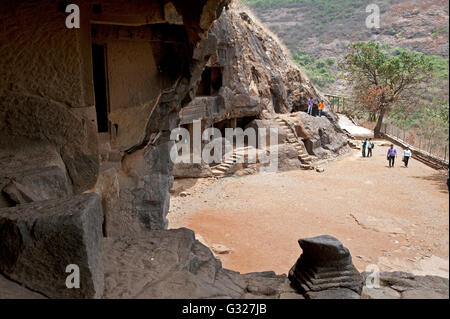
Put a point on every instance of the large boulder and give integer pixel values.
(31, 171)
(173, 264)
(326, 137)
(40, 239)
(325, 270)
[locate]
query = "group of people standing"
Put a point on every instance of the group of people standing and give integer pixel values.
(369, 146)
(311, 104)
(391, 153)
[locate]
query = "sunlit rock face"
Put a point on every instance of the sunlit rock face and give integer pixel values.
(248, 72)
(248, 82)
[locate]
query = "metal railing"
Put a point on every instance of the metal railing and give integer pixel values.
(427, 143)
(338, 103)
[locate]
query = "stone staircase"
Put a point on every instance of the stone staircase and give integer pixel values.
(303, 156)
(230, 161)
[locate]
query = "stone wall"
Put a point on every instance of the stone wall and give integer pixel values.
(49, 145)
(47, 93)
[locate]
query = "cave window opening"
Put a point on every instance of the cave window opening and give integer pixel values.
(309, 146)
(222, 125)
(211, 82)
(100, 87)
(242, 122)
(275, 102)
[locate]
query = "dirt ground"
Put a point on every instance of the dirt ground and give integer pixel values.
(395, 218)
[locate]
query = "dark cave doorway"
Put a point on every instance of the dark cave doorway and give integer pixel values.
(211, 82)
(100, 87)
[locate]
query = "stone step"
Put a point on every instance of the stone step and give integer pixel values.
(221, 168)
(306, 166)
(218, 174)
(308, 283)
(304, 157)
(306, 162)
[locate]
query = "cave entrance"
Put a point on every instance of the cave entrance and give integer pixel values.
(242, 122)
(308, 146)
(211, 82)
(275, 101)
(239, 122)
(100, 87)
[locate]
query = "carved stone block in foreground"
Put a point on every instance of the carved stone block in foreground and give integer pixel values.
(39, 240)
(325, 270)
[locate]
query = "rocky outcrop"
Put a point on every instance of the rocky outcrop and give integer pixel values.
(249, 81)
(255, 72)
(173, 264)
(401, 285)
(326, 139)
(40, 240)
(325, 270)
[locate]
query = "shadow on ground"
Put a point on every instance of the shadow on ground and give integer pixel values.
(439, 179)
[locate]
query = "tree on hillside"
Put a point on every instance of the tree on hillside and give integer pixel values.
(382, 77)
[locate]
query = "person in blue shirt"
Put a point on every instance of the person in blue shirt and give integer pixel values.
(364, 146)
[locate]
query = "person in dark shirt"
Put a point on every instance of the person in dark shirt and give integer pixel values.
(391, 155)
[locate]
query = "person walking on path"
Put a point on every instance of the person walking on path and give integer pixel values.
(391, 155)
(310, 106)
(369, 147)
(321, 105)
(364, 146)
(406, 156)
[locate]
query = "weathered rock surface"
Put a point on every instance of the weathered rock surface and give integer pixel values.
(12, 290)
(257, 74)
(401, 285)
(146, 173)
(191, 170)
(326, 139)
(31, 171)
(150, 75)
(325, 270)
(40, 239)
(172, 264)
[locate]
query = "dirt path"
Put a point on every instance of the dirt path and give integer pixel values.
(395, 218)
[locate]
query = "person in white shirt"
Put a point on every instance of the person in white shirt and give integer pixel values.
(406, 156)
